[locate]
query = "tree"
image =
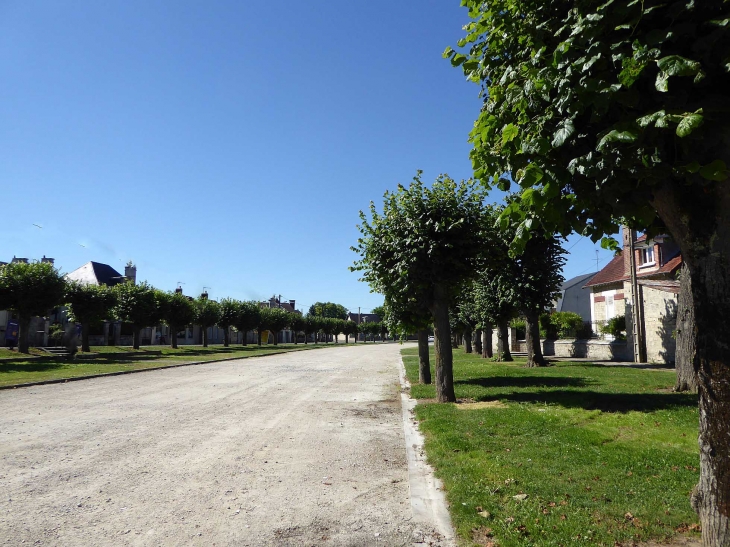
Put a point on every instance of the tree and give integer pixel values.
(248, 318)
(349, 329)
(311, 326)
(686, 336)
(136, 304)
(611, 112)
(180, 314)
(264, 323)
(379, 311)
(229, 309)
(424, 244)
(207, 314)
(278, 320)
(89, 305)
(405, 318)
(30, 290)
(328, 309)
(297, 325)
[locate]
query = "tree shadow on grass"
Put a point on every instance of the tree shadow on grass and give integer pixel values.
(605, 402)
(32, 366)
(525, 381)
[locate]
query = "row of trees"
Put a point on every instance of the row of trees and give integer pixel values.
(31, 289)
(441, 256)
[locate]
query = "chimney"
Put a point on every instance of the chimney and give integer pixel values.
(48, 260)
(204, 295)
(178, 290)
(291, 303)
(20, 260)
(628, 236)
(130, 272)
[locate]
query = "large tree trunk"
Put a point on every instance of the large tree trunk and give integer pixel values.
(503, 351)
(699, 222)
(85, 337)
(686, 337)
(535, 357)
(258, 333)
(205, 337)
(136, 333)
(276, 338)
(424, 364)
(294, 334)
(487, 341)
(467, 341)
(442, 348)
(245, 338)
(454, 341)
(23, 331)
(226, 337)
(478, 341)
(173, 337)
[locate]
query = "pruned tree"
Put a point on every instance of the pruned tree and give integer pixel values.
(207, 314)
(613, 112)
(180, 314)
(136, 304)
(278, 320)
(264, 323)
(229, 310)
(424, 244)
(248, 318)
(297, 325)
(89, 305)
(30, 290)
(405, 318)
(311, 326)
(349, 329)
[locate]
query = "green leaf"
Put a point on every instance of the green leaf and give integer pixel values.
(692, 167)
(530, 176)
(689, 123)
(715, 171)
(509, 132)
(662, 82)
(674, 65)
(564, 132)
(652, 118)
(617, 136)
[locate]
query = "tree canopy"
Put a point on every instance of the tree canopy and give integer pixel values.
(328, 309)
(89, 304)
(420, 248)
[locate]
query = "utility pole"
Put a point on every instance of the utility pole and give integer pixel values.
(637, 308)
(597, 260)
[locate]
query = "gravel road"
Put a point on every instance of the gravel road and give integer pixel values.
(304, 448)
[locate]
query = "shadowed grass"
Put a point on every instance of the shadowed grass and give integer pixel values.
(20, 371)
(604, 454)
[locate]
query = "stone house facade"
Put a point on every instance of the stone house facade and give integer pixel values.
(657, 262)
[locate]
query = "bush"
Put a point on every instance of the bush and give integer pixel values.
(548, 329)
(563, 324)
(615, 326)
(520, 327)
(585, 332)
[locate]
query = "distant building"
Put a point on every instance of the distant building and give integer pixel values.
(364, 317)
(576, 298)
(96, 273)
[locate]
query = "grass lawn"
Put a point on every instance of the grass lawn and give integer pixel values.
(17, 370)
(605, 455)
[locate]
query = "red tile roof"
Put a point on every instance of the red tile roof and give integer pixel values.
(613, 272)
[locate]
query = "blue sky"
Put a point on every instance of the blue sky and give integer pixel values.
(226, 144)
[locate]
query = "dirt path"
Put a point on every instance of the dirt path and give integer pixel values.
(296, 449)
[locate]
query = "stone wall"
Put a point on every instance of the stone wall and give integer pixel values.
(660, 320)
(600, 350)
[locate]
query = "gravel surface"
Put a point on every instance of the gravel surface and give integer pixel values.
(304, 448)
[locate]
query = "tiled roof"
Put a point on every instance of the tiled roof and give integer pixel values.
(96, 273)
(613, 272)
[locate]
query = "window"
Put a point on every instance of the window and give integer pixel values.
(647, 255)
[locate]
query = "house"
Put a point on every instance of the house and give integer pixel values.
(657, 262)
(285, 336)
(576, 297)
(96, 273)
(363, 317)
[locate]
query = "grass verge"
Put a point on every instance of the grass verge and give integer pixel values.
(572, 454)
(21, 371)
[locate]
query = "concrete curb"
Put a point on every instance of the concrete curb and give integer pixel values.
(121, 372)
(428, 501)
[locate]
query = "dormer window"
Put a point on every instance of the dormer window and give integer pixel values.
(647, 256)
